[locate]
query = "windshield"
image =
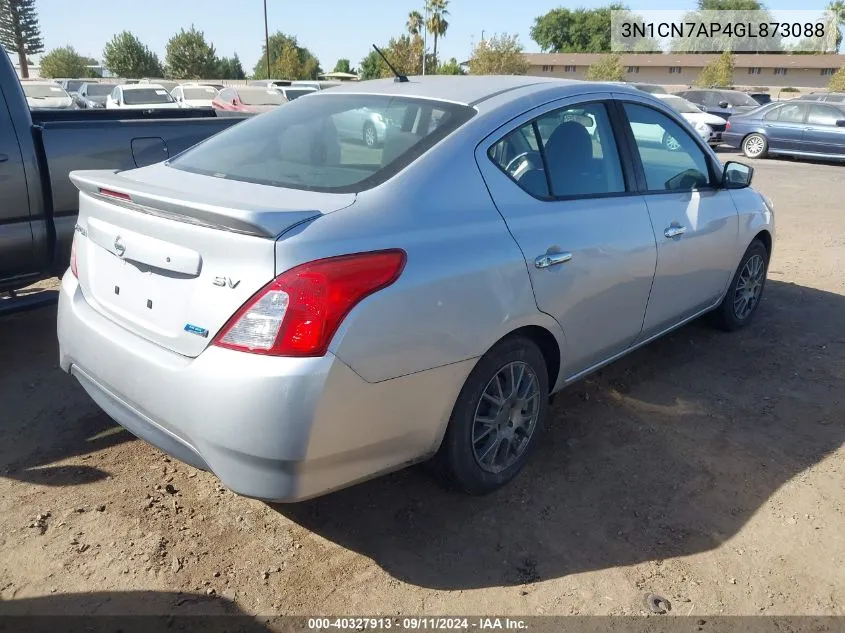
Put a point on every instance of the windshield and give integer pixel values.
(680, 104)
(99, 90)
(40, 91)
(204, 93)
(342, 144)
(261, 97)
(738, 99)
(138, 96)
(295, 94)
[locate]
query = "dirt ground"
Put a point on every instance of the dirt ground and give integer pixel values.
(707, 468)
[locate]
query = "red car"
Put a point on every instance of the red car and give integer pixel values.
(248, 99)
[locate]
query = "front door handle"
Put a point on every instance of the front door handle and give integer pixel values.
(675, 231)
(552, 259)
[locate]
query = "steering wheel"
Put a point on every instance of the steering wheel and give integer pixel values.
(513, 165)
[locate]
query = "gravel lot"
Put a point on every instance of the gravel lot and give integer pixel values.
(707, 468)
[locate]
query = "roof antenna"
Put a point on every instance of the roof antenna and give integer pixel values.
(399, 78)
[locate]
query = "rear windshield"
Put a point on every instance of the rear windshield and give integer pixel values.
(40, 91)
(205, 92)
(338, 143)
(261, 97)
(137, 96)
(73, 86)
(738, 99)
(99, 90)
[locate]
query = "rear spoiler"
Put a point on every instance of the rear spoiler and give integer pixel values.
(166, 203)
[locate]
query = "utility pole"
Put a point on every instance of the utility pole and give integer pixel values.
(482, 35)
(266, 39)
(425, 37)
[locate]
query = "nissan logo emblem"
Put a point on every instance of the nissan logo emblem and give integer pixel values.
(119, 246)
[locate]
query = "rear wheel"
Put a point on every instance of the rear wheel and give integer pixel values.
(496, 419)
(743, 297)
(755, 146)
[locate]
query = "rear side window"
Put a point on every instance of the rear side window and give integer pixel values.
(824, 115)
(569, 152)
(341, 143)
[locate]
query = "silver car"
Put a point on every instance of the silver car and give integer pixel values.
(296, 312)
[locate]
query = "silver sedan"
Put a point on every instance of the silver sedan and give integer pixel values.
(297, 311)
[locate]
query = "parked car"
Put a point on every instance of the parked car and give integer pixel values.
(93, 95)
(252, 99)
(708, 126)
(723, 103)
(140, 96)
(760, 97)
(365, 124)
(194, 95)
(294, 92)
(307, 313)
(46, 94)
(830, 97)
(38, 203)
(798, 128)
(71, 86)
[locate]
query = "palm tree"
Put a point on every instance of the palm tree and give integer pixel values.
(437, 24)
(837, 8)
(415, 23)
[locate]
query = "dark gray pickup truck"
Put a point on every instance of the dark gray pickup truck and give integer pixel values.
(38, 203)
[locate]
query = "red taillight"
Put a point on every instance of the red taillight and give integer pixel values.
(115, 194)
(298, 313)
(728, 125)
(73, 265)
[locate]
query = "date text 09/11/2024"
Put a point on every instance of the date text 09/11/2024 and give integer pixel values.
(417, 624)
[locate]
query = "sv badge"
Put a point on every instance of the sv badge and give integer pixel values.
(226, 282)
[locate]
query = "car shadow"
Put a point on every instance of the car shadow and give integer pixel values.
(128, 612)
(666, 453)
(47, 417)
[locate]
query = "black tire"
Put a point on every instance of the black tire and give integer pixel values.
(370, 135)
(456, 461)
(725, 316)
(752, 142)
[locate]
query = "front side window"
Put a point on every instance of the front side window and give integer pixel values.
(569, 152)
(792, 113)
(671, 159)
(341, 143)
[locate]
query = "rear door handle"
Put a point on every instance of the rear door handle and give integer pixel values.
(552, 259)
(675, 231)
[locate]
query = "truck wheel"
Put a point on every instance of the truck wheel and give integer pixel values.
(496, 419)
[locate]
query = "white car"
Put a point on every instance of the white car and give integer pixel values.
(194, 95)
(140, 97)
(708, 126)
(46, 94)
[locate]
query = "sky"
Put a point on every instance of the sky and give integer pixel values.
(331, 29)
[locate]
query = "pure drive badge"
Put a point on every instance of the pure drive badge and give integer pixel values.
(195, 329)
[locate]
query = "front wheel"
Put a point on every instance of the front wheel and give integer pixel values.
(496, 419)
(755, 146)
(743, 297)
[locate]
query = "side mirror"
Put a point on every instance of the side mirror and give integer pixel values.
(724, 104)
(840, 122)
(736, 175)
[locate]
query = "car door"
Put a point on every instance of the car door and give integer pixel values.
(16, 241)
(694, 220)
(784, 126)
(585, 234)
(822, 135)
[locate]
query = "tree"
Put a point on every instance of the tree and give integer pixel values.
(19, 31)
(371, 66)
(415, 23)
(574, 30)
(230, 68)
(837, 11)
(706, 14)
(837, 81)
(64, 62)
(452, 67)
(189, 56)
(717, 74)
(343, 66)
(437, 24)
(608, 68)
(282, 49)
(126, 56)
(498, 55)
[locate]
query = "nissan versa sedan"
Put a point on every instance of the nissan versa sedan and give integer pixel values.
(297, 312)
(798, 128)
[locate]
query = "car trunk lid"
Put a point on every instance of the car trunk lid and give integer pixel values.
(171, 255)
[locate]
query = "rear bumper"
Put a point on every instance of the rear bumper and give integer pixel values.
(280, 429)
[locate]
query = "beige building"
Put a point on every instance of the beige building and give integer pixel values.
(806, 72)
